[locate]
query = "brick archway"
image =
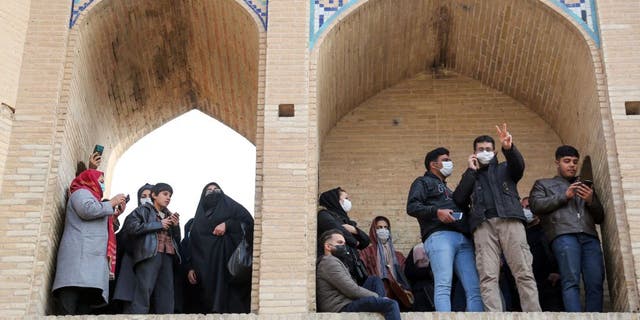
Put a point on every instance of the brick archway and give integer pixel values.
(530, 51)
(133, 66)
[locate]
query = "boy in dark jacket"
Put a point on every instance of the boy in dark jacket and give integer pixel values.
(154, 233)
(569, 210)
(489, 190)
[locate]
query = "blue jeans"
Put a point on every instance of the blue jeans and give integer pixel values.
(388, 307)
(580, 253)
(451, 251)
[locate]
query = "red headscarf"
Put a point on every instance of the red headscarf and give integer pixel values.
(90, 180)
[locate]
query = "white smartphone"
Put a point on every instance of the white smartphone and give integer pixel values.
(457, 215)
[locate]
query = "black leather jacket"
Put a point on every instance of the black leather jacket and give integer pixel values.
(503, 178)
(141, 227)
(428, 194)
(562, 216)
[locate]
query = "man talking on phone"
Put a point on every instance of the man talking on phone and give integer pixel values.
(445, 232)
(489, 190)
(569, 210)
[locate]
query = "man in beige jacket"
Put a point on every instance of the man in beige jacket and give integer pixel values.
(338, 292)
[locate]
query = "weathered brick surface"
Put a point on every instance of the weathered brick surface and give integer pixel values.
(14, 18)
(620, 32)
(128, 67)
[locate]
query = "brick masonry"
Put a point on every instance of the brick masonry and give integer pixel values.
(381, 68)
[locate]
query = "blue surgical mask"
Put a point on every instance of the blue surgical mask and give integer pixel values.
(102, 186)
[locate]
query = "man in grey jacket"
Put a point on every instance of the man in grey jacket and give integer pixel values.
(338, 292)
(570, 209)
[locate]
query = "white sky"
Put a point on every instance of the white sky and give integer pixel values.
(197, 150)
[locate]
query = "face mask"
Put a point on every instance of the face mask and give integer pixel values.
(102, 186)
(339, 251)
(447, 168)
(346, 205)
(485, 157)
(383, 234)
(211, 200)
(528, 215)
(145, 201)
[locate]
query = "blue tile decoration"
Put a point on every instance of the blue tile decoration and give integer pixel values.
(259, 7)
(77, 6)
(584, 12)
(323, 12)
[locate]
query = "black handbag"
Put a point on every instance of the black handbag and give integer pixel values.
(240, 263)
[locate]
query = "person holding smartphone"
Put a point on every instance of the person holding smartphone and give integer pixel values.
(153, 232)
(570, 209)
(496, 219)
(445, 232)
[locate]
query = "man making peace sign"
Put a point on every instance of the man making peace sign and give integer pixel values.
(496, 219)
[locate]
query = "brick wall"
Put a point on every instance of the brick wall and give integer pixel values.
(377, 150)
(14, 18)
(620, 32)
(28, 179)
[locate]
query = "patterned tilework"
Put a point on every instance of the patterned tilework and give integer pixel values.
(584, 12)
(325, 11)
(322, 13)
(259, 7)
(77, 6)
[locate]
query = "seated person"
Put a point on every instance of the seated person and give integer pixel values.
(420, 276)
(338, 292)
(382, 260)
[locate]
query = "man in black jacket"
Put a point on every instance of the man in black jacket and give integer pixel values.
(154, 233)
(570, 209)
(489, 190)
(445, 232)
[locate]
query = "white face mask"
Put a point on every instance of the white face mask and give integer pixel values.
(447, 168)
(145, 200)
(485, 157)
(383, 234)
(346, 205)
(528, 215)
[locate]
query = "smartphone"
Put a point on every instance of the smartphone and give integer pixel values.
(98, 148)
(587, 183)
(457, 215)
(127, 198)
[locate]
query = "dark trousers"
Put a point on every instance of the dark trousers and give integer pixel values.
(388, 307)
(154, 285)
(77, 300)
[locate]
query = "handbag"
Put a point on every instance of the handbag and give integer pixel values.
(240, 263)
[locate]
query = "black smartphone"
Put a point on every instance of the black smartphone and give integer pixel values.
(127, 198)
(98, 148)
(587, 183)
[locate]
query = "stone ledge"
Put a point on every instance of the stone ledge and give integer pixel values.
(367, 316)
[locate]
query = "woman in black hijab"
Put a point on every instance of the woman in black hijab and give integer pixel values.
(334, 205)
(215, 234)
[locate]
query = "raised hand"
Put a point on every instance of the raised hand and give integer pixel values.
(505, 137)
(94, 160)
(473, 162)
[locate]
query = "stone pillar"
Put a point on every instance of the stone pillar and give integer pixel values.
(287, 202)
(29, 178)
(620, 34)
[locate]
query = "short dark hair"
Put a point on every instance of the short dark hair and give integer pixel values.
(161, 186)
(325, 236)
(433, 156)
(483, 138)
(566, 151)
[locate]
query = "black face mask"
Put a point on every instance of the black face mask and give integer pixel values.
(211, 200)
(340, 251)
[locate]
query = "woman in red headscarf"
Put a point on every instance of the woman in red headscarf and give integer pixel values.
(83, 266)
